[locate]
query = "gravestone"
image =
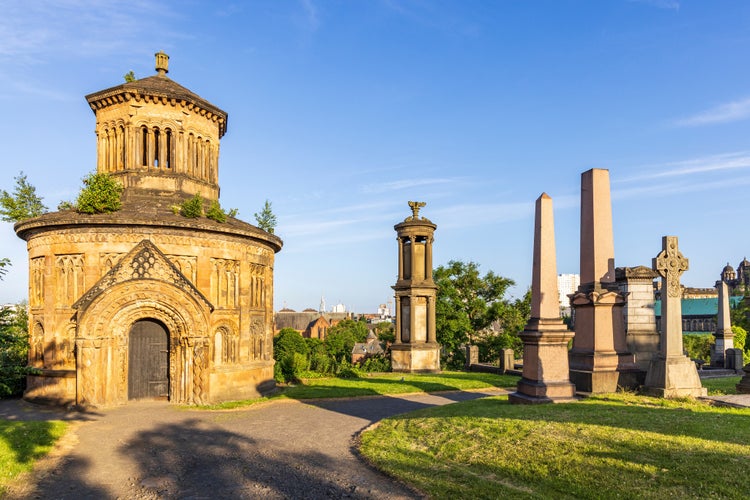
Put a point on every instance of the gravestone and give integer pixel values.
(507, 360)
(545, 339)
(734, 360)
(472, 356)
(671, 373)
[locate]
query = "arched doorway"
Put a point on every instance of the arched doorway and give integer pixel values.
(148, 360)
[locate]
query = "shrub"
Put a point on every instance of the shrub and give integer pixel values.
(377, 363)
(14, 348)
(100, 194)
(348, 371)
(215, 212)
(698, 346)
(192, 208)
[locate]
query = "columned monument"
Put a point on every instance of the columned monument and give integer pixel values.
(143, 303)
(545, 338)
(641, 334)
(599, 356)
(415, 348)
(672, 374)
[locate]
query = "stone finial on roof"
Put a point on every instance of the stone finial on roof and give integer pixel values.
(162, 63)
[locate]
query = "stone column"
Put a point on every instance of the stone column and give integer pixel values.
(400, 258)
(723, 334)
(599, 360)
(545, 338)
(397, 312)
(671, 374)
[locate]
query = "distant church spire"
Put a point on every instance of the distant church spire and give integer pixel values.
(322, 308)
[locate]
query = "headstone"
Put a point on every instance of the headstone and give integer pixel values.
(507, 360)
(672, 374)
(599, 358)
(545, 339)
(734, 360)
(723, 334)
(472, 356)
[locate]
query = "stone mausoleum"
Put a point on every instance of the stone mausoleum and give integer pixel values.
(144, 303)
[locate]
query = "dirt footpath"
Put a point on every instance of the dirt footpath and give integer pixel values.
(283, 449)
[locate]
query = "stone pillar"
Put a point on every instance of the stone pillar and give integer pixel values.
(416, 348)
(671, 374)
(599, 360)
(472, 356)
(545, 338)
(723, 334)
(507, 360)
(641, 334)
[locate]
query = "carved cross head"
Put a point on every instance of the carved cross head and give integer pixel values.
(415, 206)
(670, 264)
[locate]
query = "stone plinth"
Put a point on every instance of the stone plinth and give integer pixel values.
(545, 338)
(415, 358)
(599, 360)
(671, 374)
(743, 387)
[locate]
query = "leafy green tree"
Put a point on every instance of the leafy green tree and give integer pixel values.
(290, 352)
(341, 338)
(23, 204)
(266, 219)
(129, 76)
(14, 348)
(101, 193)
(385, 332)
(468, 303)
(192, 208)
(4, 263)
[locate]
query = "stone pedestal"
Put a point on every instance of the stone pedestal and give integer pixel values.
(744, 386)
(673, 377)
(415, 358)
(641, 334)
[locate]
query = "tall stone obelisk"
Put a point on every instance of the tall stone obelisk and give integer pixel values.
(545, 338)
(672, 374)
(599, 355)
(723, 334)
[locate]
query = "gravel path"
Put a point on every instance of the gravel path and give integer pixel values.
(283, 449)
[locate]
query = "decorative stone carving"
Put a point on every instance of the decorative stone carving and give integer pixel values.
(36, 279)
(224, 283)
(257, 285)
(70, 278)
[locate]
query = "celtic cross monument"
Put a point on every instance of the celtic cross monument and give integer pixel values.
(671, 374)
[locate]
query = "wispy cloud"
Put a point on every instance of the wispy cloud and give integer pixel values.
(660, 4)
(400, 185)
(694, 166)
(311, 14)
(723, 113)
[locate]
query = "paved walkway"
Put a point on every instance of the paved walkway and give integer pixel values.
(284, 449)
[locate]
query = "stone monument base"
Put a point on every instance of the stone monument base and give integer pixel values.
(598, 373)
(673, 377)
(744, 386)
(531, 392)
(411, 358)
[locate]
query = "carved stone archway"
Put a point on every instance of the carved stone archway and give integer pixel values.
(102, 341)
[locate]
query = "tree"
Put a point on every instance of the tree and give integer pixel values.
(129, 76)
(468, 303)
(192, 208)
(341, 338)
(101, 193)
(385, 332)
(23, 204)
(3, 264)
(14, 348)
(266, 219)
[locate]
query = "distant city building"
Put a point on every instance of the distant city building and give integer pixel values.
(566, 285)
(338, 308)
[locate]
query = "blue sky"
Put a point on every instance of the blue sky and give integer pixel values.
(342, 111)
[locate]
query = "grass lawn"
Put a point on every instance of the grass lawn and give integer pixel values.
(383, 383)
(614, 446)
(721, 386)
(22, 443)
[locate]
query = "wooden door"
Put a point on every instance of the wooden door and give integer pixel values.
(148, 361)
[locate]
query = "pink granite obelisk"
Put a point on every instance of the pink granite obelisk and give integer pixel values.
(671, 373)
(599, 357)
(724, 335)
(545, 338)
